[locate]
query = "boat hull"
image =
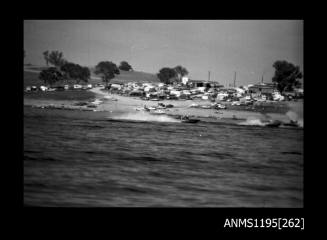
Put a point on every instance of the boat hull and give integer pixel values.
(190, 121)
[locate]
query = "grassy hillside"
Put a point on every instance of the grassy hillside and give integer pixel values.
(135, 76)
(31, 74)
(32, 79)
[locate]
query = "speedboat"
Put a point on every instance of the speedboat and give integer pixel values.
(190, 120)
(291, 124)
(186, 119)
(273, 123)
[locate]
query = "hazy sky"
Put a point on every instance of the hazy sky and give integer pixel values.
(248, 47)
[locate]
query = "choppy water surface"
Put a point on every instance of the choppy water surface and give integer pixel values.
(84, 159)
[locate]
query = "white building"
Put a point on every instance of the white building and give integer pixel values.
(185, 80)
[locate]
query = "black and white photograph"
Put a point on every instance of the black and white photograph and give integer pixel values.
(163, 113)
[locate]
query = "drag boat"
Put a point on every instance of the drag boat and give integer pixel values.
(190, 121)
(273, 123)
(186, 119)
(292, 124)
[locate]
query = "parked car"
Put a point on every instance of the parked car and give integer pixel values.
(77, 86)
(43, 88)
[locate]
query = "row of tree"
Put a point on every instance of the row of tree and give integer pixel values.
(286, 75)
(67, 70)
(62, 69)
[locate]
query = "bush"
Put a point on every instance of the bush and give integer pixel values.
(50, 75)
(125, 66)
(167, 75)
(76, 72)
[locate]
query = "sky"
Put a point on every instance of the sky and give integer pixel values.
(247, 47)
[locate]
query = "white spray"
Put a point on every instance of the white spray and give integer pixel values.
(252, 121)
(144, 116)
(293, 116)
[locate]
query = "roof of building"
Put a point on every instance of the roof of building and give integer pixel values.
(204, 81)
(196, 81)
(266, 85)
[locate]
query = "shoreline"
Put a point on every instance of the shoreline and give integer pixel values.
(118, 104)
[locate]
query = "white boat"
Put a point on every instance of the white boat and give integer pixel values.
(96, 102)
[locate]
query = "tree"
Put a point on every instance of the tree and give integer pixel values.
(181, 72)
(46, 57)
(50, 75)
(56, 58)
(166, 75)
(286, 76)
(125, 66)
(75, 71)
(85, 74)
(107, 70)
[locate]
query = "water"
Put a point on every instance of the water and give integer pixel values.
(74, 158)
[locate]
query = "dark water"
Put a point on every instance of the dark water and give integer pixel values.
(81, 159)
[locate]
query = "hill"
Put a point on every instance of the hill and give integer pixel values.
(32, 79)
(130, 76)
(31, 76)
